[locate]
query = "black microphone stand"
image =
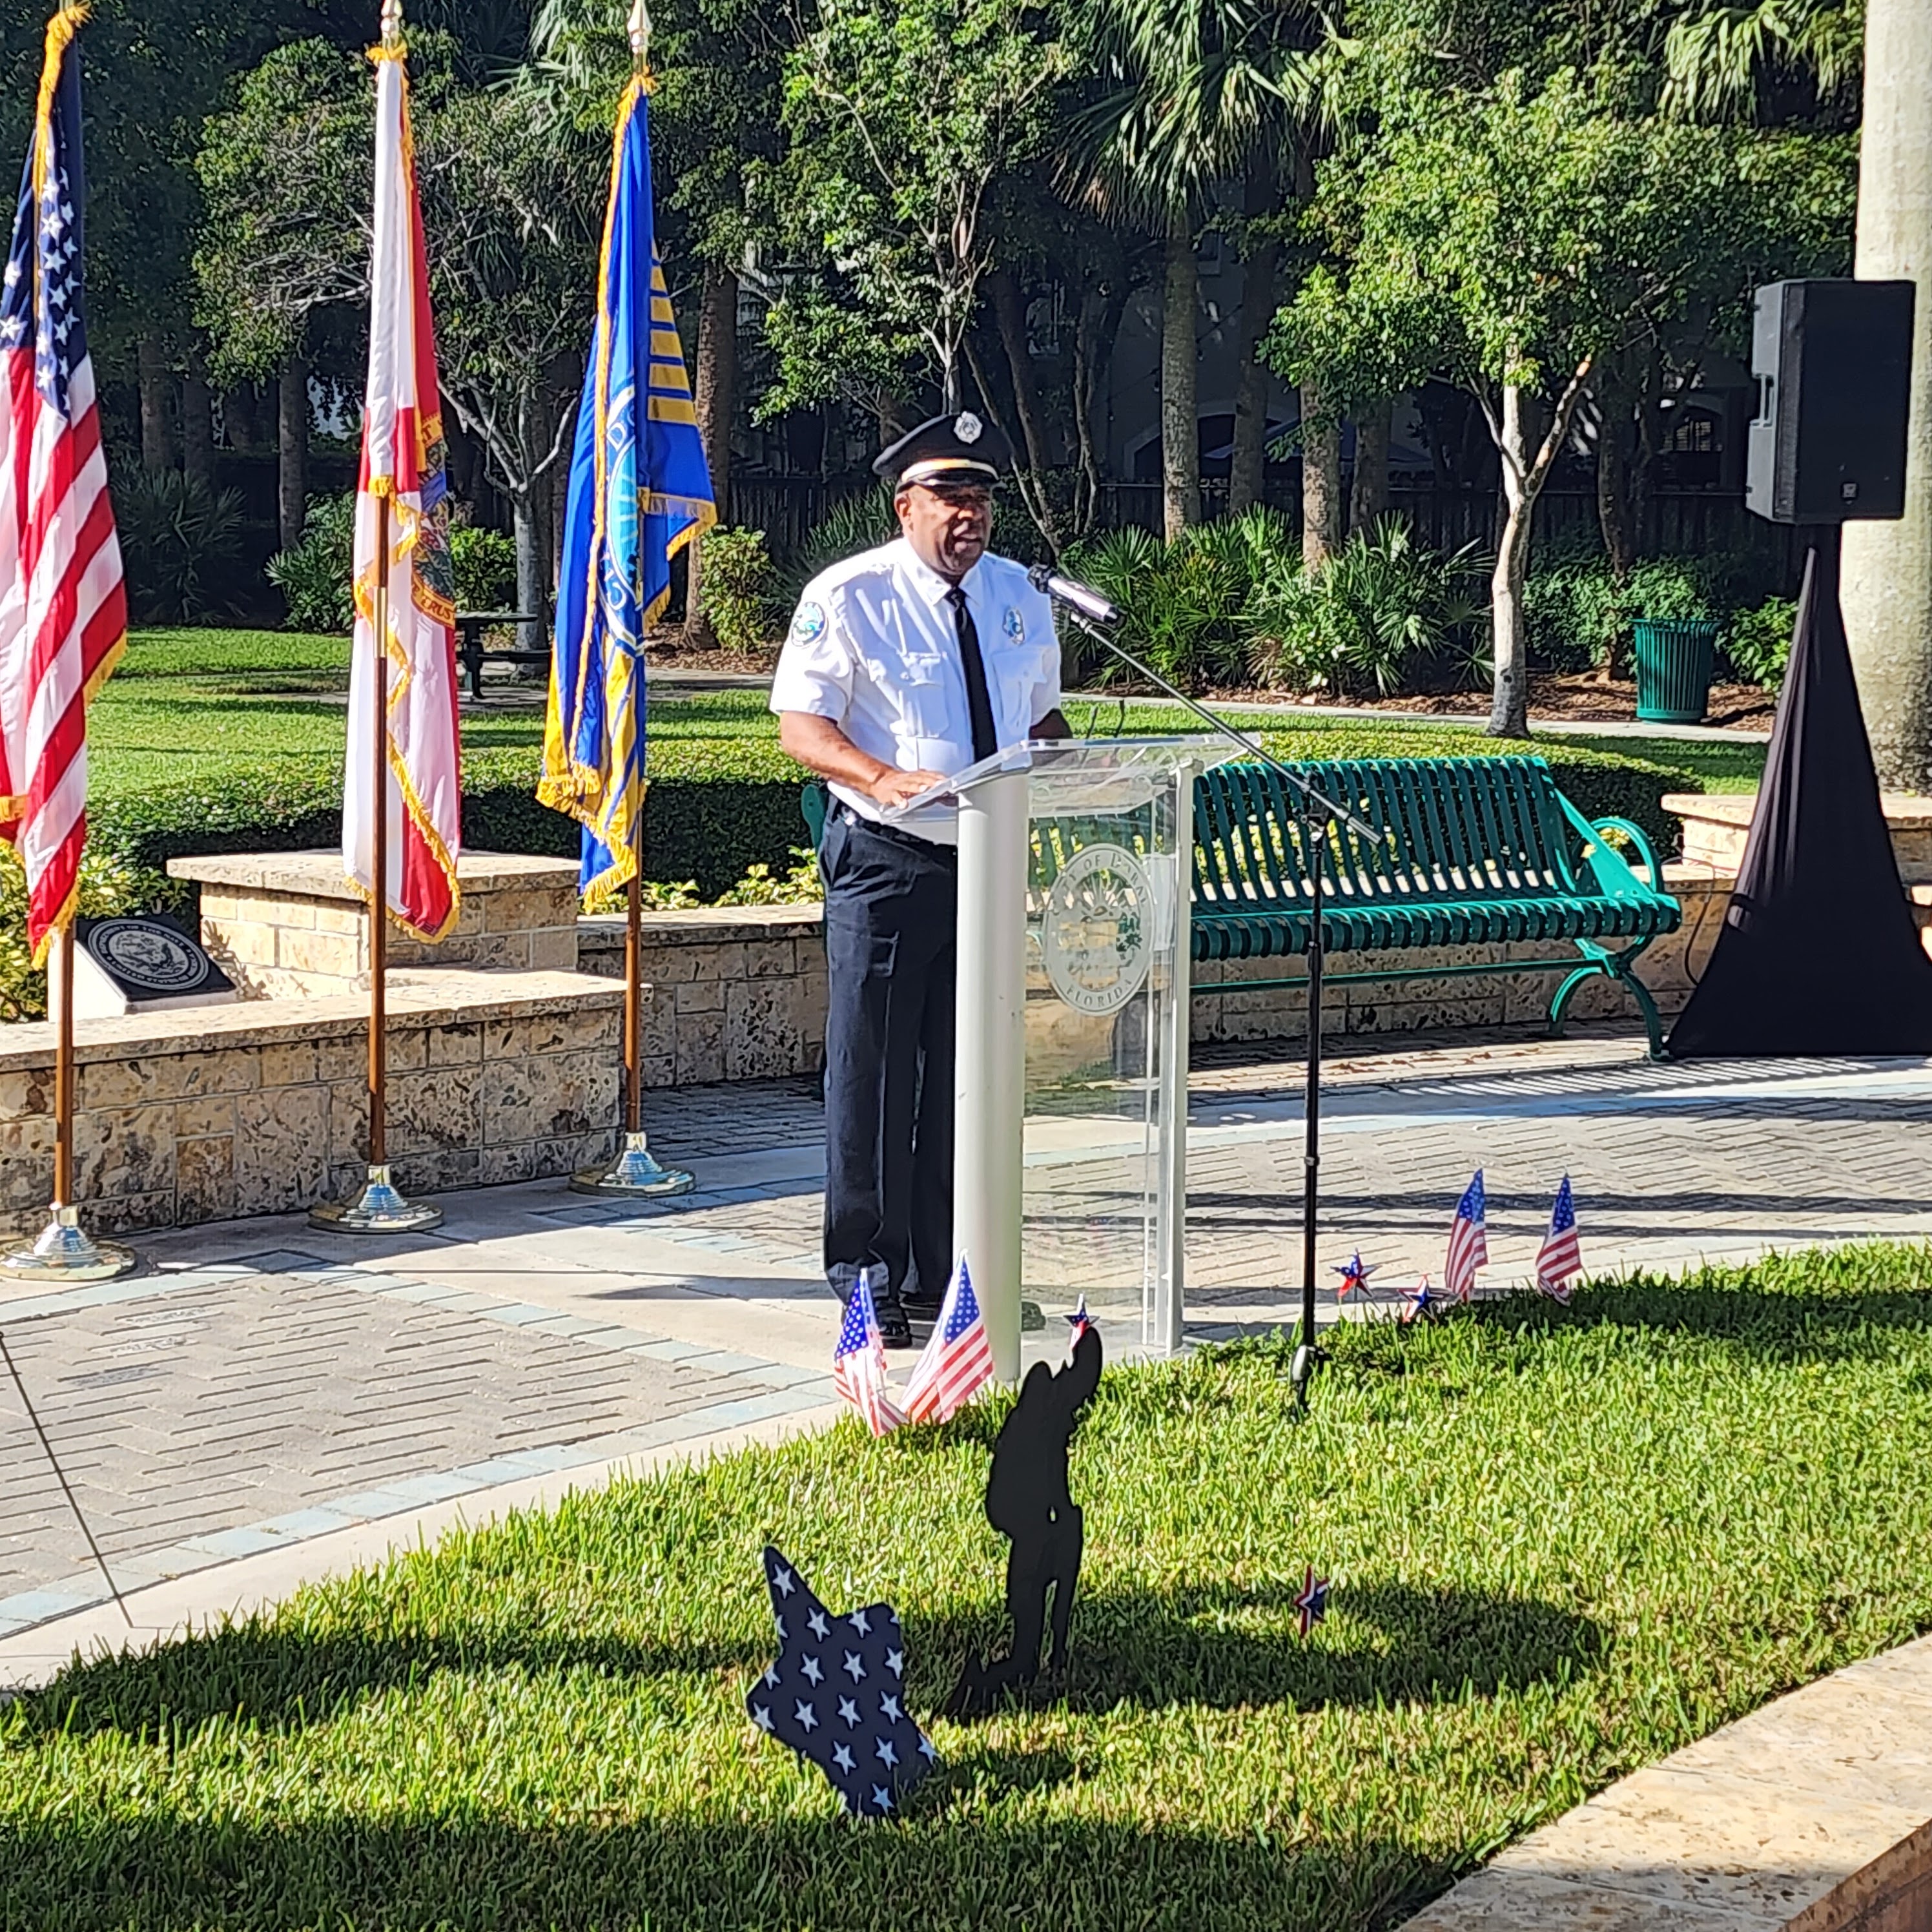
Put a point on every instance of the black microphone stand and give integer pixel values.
(1317, 812)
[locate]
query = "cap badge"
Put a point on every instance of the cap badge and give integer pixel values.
(968, 427)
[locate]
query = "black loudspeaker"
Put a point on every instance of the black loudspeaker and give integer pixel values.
(1833, 361)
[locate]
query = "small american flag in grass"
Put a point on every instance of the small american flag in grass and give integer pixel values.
(859, 1361)
(1468, 1241)
(957, 1362)
(1560, 1261)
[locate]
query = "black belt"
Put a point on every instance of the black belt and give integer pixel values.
(897, 834)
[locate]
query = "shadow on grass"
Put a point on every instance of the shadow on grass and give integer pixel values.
(1213, 1644)
(955, 1862)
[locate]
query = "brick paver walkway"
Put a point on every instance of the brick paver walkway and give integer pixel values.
(269, 1383)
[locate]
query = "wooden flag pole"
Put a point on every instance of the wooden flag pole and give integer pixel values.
(64, 1252)
(379, 1208)
(636, 1169)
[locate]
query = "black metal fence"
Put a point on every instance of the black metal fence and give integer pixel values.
(1674, 522)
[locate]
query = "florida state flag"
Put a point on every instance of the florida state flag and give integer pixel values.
(402, 468)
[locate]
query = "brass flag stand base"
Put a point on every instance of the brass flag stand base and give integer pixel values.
(65, 1252)
(380, 1209)
(635, 1171)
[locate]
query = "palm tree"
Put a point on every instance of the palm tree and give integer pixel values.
(1203, 92)
(1718, 60)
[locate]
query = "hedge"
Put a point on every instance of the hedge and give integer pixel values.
(717, 806)
(706, 829)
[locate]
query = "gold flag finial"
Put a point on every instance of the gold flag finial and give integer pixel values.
(641, 36)
(392, 23)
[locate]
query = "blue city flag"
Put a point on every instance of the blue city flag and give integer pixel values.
(640, 491)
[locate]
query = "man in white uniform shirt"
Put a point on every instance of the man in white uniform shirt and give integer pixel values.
(905, 664)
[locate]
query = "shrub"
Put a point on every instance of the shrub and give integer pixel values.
(1758, 641)
(314, 577)
(1181, 600)
(1383, 605)
(485, 562)
(800, 883)
(180, 540)
(107, 887)
(1579, 615)
(860, 523)
(738, 585)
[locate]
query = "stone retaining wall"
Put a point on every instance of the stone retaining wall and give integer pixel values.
(731, 993)
(262, 1108)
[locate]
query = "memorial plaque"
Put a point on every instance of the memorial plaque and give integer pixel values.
(151, 964)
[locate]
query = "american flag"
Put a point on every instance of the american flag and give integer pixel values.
(957, 1362)
(1079, 1322)
(1559, 1259)
(1312, 1603)
(63, 607)
(1469, 1241)
(859, 1361)
(836, 1694)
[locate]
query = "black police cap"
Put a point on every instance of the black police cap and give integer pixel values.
(961, 448)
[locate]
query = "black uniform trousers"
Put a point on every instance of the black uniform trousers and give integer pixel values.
(891, 952)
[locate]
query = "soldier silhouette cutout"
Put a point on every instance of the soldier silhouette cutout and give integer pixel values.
(1028, 1500)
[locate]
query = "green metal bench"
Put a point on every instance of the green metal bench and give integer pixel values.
(1476, 852)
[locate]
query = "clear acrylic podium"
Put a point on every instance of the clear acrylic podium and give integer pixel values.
(1075, 870)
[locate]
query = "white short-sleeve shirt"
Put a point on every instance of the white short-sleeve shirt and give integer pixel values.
(873, 646)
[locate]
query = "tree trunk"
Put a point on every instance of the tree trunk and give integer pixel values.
(1180, 374)
(292, 488)
(531, 555)
(1886, 586)
(1320, 482)
(716, 397)
(1098, 329)
(1247, 466)
(1368, 494)
(157, 431)
(1009, 312)
(1509, 710)
(197, 427)
(1614, 432)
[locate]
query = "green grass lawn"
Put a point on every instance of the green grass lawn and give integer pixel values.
(186, 704)
(1562, 1544)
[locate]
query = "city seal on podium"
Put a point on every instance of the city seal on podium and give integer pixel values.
(1096, 929)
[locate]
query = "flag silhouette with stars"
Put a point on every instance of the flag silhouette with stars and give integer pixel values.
(836, 1694)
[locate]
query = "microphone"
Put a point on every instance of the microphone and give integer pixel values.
(1079, 597)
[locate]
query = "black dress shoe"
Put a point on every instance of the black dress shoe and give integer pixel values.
(895, 1330)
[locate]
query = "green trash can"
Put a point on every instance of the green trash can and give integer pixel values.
(1673, 669)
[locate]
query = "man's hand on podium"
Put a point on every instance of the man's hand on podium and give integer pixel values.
(893, 787)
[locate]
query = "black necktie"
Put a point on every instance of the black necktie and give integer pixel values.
(979, 705)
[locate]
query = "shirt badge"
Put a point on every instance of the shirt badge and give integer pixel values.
(1013, 624)
(808, 626)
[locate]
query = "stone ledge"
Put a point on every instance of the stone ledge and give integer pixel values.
(704, 926)
(446, 997)
(318, 875)
(1807, 1816)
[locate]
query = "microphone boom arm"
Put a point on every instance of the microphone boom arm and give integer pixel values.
(1314, 799)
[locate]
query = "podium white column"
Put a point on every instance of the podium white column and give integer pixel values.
(989, 1083)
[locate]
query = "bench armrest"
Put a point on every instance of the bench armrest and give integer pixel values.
(1614, 877)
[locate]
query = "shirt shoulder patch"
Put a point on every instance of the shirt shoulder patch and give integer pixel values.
(1014, 624)
(807, 626)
